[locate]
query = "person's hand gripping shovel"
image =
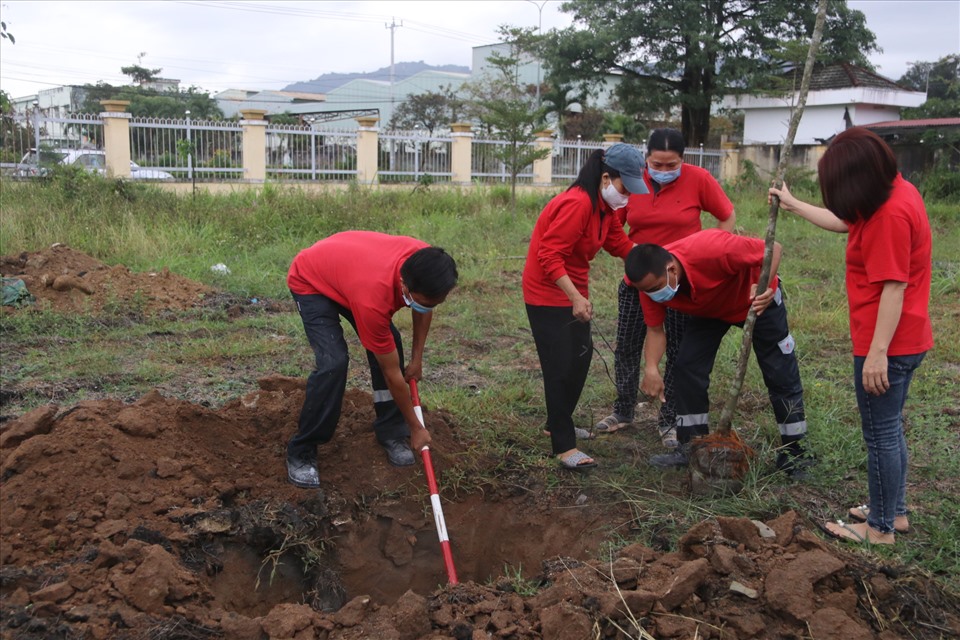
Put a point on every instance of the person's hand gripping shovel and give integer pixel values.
(434, 493)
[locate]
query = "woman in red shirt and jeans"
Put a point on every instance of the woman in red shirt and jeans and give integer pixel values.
(568, 234)
(888, 291)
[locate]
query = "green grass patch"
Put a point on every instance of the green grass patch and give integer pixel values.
(480, 363)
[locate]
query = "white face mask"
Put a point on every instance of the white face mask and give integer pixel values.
(614, 198)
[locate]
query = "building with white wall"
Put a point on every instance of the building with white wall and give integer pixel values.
(840, 96)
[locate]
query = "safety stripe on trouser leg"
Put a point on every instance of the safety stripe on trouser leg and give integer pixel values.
(382, 395)
(692, 419)
(794, 428)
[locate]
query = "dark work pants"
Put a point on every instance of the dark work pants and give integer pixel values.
(631, 333)
(565, 349)
(328, 381)
(774, 349)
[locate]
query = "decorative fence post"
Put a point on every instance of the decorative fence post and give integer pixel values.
(543, 168)
(367, 147)
(730, 161)
(461, 150)
(610, 139)
(254, 144)
(116, 137)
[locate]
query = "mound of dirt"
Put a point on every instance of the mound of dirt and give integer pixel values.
(63, 279)
(163, 519)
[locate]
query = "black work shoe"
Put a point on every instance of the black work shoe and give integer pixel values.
(679, 457)
(302, 472)
(797, 467)
(399, 452)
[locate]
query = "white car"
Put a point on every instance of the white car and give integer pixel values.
(93, 160)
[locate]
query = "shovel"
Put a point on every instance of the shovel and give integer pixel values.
(719, 461)
(434, 493)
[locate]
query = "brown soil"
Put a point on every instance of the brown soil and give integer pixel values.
(63, 279)
(164, 519)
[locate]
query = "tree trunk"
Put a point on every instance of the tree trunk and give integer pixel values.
(726, 417)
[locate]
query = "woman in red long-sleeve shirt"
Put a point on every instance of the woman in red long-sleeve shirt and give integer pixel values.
(570, 231)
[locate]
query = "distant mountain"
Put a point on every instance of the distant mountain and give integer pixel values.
(330, 81)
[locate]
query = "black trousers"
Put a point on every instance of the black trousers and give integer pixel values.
(328, 381)
(774, 349)
(631, 333)
(565, 349)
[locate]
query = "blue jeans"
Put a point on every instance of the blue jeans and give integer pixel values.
(882, 424)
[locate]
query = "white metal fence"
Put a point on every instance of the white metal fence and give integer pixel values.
(213, 151)
(296, 152)
(21, 135)
(189, 149)
(486, 165)
(406, 156)
(569, 156)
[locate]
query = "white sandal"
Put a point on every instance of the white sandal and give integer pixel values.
(668, 437)
(611, 424)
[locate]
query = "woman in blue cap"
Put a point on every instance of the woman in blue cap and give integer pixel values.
(570, 231)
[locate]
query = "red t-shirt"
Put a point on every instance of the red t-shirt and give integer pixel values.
(719, 268)
(674, 211)
(361, 271)
(567, 236)
(895, 244)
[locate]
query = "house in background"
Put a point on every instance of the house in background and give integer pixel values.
(840, 96)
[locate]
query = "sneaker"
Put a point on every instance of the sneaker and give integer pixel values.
(797, 467)
(612, 423)
(302, 472)
(668, 437)
(399, 452)
(679, 457)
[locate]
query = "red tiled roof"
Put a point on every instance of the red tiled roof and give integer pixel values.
(909, 124)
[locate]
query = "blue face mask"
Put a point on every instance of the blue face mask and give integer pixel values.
(664, 294)
(664, 177)
(413, 304)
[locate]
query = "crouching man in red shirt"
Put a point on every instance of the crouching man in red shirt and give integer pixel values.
(712, 276)
(365, 277)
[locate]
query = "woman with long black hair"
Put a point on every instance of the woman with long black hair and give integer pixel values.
(570, 231)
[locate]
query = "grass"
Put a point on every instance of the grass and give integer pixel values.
(481, 365)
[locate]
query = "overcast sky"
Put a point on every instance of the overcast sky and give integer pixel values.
(268, 44)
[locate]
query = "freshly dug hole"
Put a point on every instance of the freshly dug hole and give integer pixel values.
(398, 550)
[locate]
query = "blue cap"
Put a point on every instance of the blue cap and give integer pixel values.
(628, 161)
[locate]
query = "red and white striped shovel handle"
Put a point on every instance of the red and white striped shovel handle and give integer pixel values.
(434, 493)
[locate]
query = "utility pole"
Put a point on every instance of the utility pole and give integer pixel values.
(393, 28)
(539, 33)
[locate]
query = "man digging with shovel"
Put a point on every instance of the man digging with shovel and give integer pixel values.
(712, 276)
(365, 277)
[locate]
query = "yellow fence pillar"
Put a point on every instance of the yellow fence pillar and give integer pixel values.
(610, 139)
(729, 162)
(254, 128)
(116, 137)
(367, 149)
(461, 150)
(543, 168)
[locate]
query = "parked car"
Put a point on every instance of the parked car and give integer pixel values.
(93, 160)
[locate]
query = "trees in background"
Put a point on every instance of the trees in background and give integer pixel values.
(690, 53)
(941, 82)
(429, 110)
(507, 109)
